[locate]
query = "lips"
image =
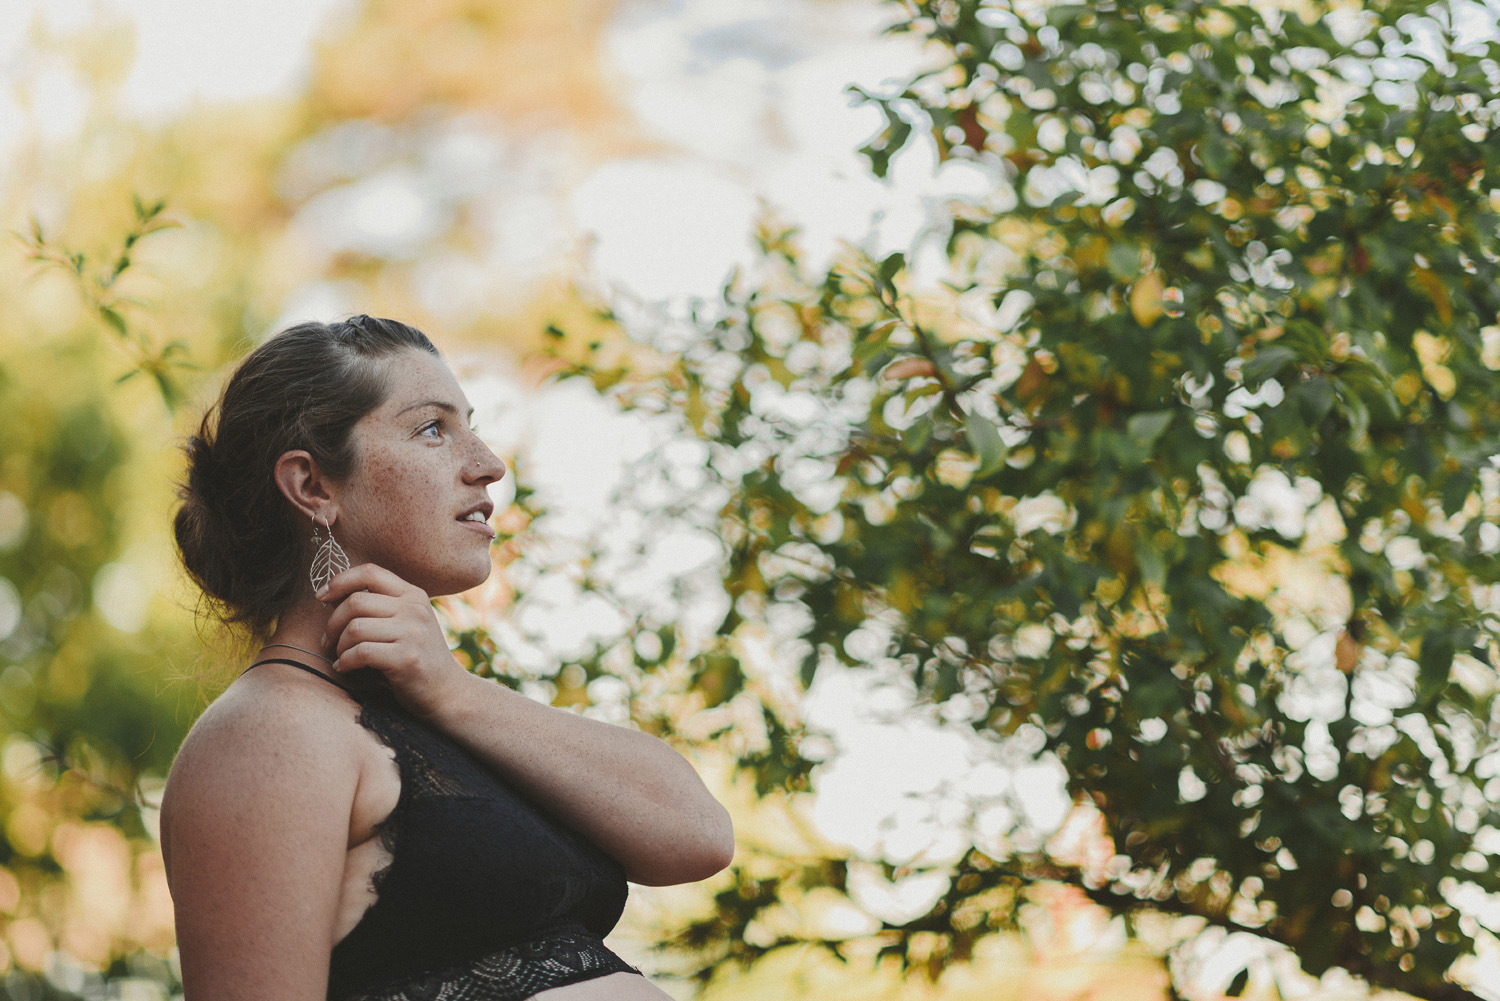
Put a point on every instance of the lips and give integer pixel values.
(484, 509)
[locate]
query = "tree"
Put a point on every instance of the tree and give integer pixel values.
(1187, 472)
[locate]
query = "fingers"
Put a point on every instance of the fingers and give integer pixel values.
(366, 654)
(368, 630)
(365, 577)
(360, 604)
(380, 620)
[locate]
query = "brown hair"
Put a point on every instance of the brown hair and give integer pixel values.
(239, 538)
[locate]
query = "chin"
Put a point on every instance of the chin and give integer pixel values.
(452, 579)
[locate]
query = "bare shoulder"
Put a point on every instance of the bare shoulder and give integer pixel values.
(255, 829)
(267, 718)
(273, 736)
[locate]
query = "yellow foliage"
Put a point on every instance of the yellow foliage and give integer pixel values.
(1146, 298)
(1432, 352)
(1311, 581)
(1433, 285)
(518, 59)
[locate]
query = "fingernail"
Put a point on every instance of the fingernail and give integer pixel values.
(321, 591)
(325, 640)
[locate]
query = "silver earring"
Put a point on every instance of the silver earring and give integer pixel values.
(329, 559)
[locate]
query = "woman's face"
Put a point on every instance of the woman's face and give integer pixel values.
(419, 471)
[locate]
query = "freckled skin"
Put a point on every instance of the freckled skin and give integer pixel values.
(419, 468)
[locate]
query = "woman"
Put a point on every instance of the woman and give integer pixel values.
(358, 816)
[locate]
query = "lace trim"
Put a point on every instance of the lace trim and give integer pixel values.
(565, 955)
(386, 829)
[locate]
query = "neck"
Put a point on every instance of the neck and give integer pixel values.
(303, 625)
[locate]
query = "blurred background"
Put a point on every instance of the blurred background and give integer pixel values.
(525, 182)
(467, 167)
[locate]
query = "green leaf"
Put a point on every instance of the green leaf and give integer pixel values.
(890, 140)
(1434, 662)
(1216, 155)
(718, 677)
(889, 268)
(1266, 363)
(1124, 261)
(1358, 415)
(115, 320)
(1145, 429)
(985, 440)
(171, 395)
(809, 668)
(873, 343)
(915, 437)
(1151, 563)
(1315, 397)
(1456, 491)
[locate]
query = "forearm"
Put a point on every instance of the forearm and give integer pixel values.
(630, 793)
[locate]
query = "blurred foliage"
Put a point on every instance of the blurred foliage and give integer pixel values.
(98, 286)
(141, 259)
(1183, 477)
(81, 671)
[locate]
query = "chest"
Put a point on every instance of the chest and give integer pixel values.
(465, 860)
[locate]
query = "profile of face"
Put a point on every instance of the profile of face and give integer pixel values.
(419, 476)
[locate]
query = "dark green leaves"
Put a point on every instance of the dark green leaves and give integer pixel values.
(1267, 362)
(1435, 661)
(1178, 568)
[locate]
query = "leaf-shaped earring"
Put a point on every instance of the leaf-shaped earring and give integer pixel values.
(328, 559)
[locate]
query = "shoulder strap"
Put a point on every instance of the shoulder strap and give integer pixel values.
(309, 670)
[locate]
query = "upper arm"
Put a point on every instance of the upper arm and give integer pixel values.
(256, 813)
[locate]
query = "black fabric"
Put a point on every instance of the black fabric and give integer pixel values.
(487, 897)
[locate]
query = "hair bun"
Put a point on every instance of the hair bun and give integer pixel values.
(203, 467)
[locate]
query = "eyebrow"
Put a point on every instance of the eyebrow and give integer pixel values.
(450, 408)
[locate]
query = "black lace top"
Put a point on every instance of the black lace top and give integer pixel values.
(487, 897)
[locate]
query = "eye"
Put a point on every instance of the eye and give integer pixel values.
(430, 426)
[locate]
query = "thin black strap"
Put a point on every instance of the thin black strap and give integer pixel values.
(309, 670)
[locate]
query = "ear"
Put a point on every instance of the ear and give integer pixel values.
(304, 485)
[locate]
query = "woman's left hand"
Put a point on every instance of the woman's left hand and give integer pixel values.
(381, 621)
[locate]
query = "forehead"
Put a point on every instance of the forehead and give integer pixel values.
(416, 377)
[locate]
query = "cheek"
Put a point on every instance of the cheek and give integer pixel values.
(384, 495)
(398, 494)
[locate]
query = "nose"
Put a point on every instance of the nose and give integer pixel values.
(485, 468)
